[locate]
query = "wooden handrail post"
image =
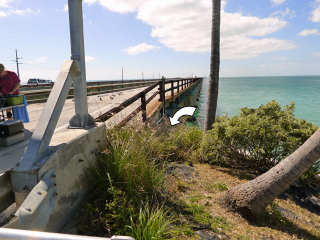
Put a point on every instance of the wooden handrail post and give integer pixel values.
(162, 94)
(178, 86)
(172, 89)
(161, 89)
(143, 106)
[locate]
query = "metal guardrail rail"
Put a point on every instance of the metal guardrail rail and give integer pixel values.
(6, 193)
(15, 234)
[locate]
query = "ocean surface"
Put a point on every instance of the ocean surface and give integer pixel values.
(237, 93)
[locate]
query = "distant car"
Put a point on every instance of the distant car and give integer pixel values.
(37, 81)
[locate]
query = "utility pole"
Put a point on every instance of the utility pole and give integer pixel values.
(17, 61)
(122, 76)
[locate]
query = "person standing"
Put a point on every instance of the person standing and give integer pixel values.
(9, 83)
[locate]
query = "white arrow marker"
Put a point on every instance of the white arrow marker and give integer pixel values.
(182, 112)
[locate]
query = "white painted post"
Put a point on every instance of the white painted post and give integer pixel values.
(81, 119)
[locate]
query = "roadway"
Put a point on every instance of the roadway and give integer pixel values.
(97, 104)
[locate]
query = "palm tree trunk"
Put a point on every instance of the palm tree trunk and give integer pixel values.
(251, 198)
(214, 66)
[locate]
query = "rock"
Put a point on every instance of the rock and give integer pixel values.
(287, 213)
(187, 172)
(203, 235)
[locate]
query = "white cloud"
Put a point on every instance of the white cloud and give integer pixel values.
(3, 14)
(4, 3)
(41, 59)
(287, 12)
(316, 54)
(246, 47)
(140, 48)
(185, 25)
(278, 2)
(315, 14)
(307, 32)
(281, 58)
(121, 6)
(89, 59)
(66, 8)
(22, 12)
(12, 11)
(236, 24)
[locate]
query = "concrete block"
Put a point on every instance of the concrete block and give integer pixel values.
(71, 163)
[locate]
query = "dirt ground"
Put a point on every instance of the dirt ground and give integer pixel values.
(204, 186)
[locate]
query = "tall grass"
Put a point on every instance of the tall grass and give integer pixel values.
(133, 162)
(151, 224)
(129, 192)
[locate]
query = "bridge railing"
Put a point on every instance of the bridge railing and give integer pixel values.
(177, 84)
(41, 92)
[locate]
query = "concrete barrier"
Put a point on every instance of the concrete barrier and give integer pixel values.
(6, 193)
(76, 152)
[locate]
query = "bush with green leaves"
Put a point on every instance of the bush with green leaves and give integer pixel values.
(182, 144)
(259, 137)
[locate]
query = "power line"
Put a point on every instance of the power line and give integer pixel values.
(35, 61)
(17, 61)
(40, 66)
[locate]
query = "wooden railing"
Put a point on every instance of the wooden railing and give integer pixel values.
(181, 84)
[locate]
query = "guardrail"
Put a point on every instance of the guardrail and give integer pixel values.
(15, 234)
(41, 92)
(181, 84)
(6, 193)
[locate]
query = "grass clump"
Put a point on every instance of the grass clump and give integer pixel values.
(129, 174)
(128, 193)
(151, 224)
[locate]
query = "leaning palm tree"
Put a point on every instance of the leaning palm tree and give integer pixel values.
(214, 66)
(251, 198)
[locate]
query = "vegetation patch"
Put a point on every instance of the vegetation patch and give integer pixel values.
(136, 192)
(257, 139)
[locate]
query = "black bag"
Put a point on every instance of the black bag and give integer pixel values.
(10, 127)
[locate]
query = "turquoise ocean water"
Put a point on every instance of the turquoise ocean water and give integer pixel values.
(236, 93)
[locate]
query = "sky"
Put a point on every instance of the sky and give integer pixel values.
(171, 38)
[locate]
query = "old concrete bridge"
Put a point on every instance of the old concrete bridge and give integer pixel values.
(43, 178)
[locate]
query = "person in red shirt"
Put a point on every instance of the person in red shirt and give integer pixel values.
(9, 84)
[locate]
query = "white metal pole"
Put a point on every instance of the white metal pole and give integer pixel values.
(81, 119)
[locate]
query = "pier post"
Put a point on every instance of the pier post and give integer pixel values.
(143, 106)
(81, 119)
(172, 89)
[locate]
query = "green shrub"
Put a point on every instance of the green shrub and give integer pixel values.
(183, 143)
(259, 137)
